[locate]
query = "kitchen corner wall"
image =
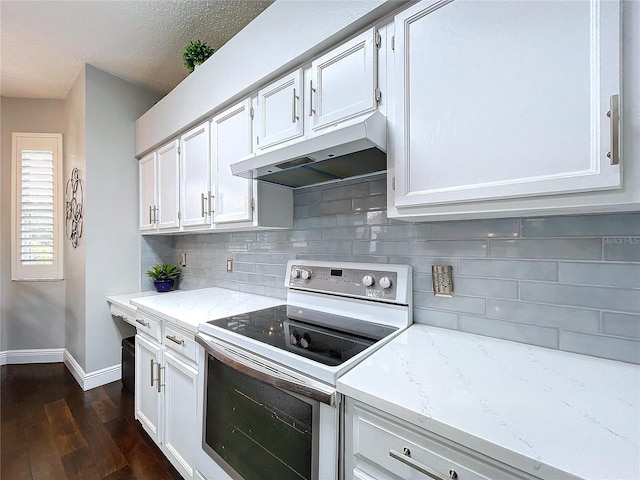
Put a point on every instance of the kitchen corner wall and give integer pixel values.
(100, 142)
(568, 283)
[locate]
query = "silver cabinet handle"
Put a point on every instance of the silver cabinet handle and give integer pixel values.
(160, 384)
(151, 376)
(175, 339)
(202, 200)
(614, 115)
(311, 90)
(211, 210)
(142, 322)
(155, 214)
(405, 457)
(294, 117)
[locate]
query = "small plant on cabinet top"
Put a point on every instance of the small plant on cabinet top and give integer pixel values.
(195, 54)
(164, 276)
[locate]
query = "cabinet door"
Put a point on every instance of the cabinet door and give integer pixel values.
(147, 168)
(230, 141)
(194, 187)
(504, 99)
(168, 181)
(148, 401)
(180, 431)
(345, 81)
(280, 116)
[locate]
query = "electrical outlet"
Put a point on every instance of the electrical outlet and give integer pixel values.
(442, 280)
(229, 264)
(182, 259)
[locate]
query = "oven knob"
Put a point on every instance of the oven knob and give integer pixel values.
(305, 341)
(385, 282)
(295, 273)
(368, 280)
(306, 274)
(294, 338)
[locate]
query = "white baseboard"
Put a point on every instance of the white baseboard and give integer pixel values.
(87, 381)
(47, 355)
(90, 380)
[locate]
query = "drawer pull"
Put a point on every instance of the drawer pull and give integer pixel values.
(160, 385)
(405, 457)
(142, 322)
(174, 339)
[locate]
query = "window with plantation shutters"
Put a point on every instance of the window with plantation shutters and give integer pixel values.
(37, 207)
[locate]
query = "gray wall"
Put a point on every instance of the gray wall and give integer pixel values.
(102, 112)
(568, 283)
(97, 120)
(31, 313)
(75, 328)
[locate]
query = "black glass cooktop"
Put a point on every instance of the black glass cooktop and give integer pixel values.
(328, 339)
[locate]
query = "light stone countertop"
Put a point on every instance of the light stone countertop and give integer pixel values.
(124, 301)
(190, 308)
(537, 409)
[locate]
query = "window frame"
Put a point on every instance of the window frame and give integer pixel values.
(20, 271)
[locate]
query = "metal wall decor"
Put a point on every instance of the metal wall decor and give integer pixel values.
(74, 200)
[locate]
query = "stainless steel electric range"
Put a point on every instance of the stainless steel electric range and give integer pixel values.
(271, 406)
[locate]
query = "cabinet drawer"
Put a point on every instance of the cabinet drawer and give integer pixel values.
(182, 343)
(149, 326)
(408, 454)
(127, 315)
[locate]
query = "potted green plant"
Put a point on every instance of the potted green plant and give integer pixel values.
(164, 276)
(195, 54)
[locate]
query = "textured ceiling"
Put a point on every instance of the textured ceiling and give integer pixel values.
(44, 44)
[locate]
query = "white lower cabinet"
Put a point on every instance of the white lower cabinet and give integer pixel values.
(165, 396)
(380, 446)
(148, 403)
(180, 441)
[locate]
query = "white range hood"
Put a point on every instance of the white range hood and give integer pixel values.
(349, 149)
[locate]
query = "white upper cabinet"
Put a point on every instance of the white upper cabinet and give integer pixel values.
(280, 111)
(148, 202)
(194, 187)
(344, 81)
(168, 165)
(230, 141)
(499, 100)
(159, 195)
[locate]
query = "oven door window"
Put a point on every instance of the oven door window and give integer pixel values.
(262, 432)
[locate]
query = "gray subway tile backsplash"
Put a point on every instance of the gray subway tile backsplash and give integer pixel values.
(571, 318)
(531, 334)
(486, 287)
(605, 274)
(614, 348)
(470, 229)
(623, 224)
(604, 298)
(543, 248)
(620, 324)
(621, 249)
(561, 282)
(515, 269)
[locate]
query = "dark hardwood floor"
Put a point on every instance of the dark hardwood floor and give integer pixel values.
(51, 429)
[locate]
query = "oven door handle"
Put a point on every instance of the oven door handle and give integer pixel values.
(266, 372)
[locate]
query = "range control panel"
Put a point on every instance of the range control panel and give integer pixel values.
(355, 282)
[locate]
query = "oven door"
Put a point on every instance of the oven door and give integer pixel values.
(262, 421)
